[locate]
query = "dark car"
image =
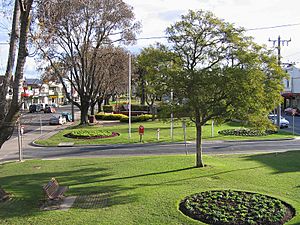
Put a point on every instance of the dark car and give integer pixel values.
(49, 109)
(34, 108)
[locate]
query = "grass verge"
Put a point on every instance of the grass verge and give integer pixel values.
(151, 134)
(142, 190)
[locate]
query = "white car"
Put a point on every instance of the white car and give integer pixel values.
(283, 121)
(54, 120)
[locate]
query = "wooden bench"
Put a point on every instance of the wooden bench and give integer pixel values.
(53, 190)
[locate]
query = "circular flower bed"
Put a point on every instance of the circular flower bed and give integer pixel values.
(90, 134)
(236, 208)
(246, 132)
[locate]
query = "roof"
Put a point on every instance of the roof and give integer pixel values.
(30, 81)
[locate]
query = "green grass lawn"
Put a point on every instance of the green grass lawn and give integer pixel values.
(151, 134)
(142, 190)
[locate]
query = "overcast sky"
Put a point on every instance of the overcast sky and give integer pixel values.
(157, 15)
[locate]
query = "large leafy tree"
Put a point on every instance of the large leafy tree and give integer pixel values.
(154, 64)
(9, 109)
(224, 75)
(74, 33)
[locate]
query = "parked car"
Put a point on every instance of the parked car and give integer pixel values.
(283, 121)
(42, 106)
(57, 120)
(290, 111)
(34, 108)
(49, 109)
(54, 105)
(67, 115)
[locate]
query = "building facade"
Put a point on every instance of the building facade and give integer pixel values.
(291, 92)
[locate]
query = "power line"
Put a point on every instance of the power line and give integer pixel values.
(251, 29)
(273, 27)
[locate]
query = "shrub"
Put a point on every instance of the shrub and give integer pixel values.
(135, 119)
(134, 108)
(101, 116)
(90, 133)
(246, 132)
(139, 108)
(108, 108)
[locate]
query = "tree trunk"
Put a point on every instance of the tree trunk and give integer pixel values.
(106, 100)
(93, 108)
(199, 161)
(84, 109)
(10, 61)
(152, 111)
(100, 104)
(7, 124)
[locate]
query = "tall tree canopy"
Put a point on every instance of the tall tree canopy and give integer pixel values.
(154, 64)
(74, 34)
(224, 75)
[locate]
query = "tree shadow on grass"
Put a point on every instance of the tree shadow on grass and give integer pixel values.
(283, 162)
(214, 175)
(28, 194)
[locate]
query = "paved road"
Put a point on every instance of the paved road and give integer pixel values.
(217, 147)
(10, 150)
(296, 125)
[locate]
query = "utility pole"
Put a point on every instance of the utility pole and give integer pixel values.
(279, 42)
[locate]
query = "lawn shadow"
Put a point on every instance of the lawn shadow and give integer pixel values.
(283, 162)
(214, 176)
(28, 193)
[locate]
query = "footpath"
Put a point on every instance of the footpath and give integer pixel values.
(10, 150)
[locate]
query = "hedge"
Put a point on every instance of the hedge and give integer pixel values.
(108, 108)
(134, 119)
(246, 132)
(101, 116)
(134, 108)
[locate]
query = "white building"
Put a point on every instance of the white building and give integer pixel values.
(291, 92)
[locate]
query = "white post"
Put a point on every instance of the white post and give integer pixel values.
(172, 118)
(212, 128)
(184, 136)
(293, 124)
(129, 96)
(41, 125)
(158, 130)
(20, 141)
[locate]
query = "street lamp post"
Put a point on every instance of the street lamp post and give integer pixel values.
(72, 100)
(129, 96)
(172, 118)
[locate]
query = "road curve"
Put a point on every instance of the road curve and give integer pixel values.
(218, 147)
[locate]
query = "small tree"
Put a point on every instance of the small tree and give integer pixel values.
(225, 75)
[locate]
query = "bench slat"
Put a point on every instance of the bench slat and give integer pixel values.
(53, 190)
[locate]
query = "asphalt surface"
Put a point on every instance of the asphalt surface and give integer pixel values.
(10, 150)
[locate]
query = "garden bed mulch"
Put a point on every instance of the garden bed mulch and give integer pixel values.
(113, 134)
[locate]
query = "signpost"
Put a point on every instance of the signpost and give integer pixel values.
(293, 114)
(184, 136)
